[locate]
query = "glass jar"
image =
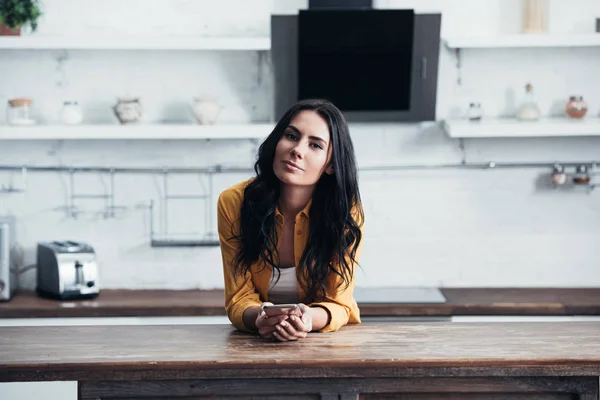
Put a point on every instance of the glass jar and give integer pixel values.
(559, 177)
(529, 110)
(576, 107)
(475, 112)
(581, 175)
(19, 112)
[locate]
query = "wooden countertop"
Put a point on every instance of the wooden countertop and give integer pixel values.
(460, 301)
(93, 353)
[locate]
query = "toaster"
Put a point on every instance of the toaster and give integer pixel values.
(66, 270)
(8, 269)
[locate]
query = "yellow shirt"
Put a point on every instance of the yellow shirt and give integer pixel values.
(252, 289)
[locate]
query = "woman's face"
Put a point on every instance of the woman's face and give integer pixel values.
(304, 151)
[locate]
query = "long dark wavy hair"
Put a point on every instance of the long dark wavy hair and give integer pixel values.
(336, 211)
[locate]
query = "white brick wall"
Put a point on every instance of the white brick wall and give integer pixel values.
(443, 227)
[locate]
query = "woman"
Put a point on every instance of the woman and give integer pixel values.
(293, 233)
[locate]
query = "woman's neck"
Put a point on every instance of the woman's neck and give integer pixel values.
(293, 199)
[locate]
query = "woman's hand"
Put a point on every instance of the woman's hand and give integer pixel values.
(296, 326)
(265, 324)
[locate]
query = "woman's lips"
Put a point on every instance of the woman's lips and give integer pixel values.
(292, 166)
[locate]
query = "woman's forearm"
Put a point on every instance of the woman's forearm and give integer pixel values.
(320, 318)
(249, 317)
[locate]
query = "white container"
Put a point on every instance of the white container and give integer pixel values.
(475, 112)
(206, 111)
(71, 113)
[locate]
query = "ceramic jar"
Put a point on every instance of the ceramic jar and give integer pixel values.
(206, 111)
(576, 107)
(71, 113)
(128, 110)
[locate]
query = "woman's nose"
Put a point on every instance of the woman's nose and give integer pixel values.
(296, 152)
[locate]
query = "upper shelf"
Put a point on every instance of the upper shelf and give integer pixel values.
(137, 131)
(134, 43)
(524, 40)
(551, 127)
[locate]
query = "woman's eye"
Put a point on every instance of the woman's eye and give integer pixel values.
(318, 146)
(290, 136)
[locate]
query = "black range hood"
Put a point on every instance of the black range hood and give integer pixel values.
(340, 4)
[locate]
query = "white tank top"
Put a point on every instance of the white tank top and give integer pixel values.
(286, 289)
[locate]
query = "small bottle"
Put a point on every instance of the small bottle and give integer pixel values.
(559, 177)
(581, 176)
(475, 112)
(529, 110)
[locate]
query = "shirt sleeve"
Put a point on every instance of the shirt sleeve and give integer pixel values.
(339, 299)
(240, 292)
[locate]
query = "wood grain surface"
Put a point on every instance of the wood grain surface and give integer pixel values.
(366, 350)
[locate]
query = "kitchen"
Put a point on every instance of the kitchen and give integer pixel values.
(462, 205)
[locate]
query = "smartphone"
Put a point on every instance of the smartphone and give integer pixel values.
(279, 309)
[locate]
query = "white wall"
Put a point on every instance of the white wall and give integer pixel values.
(433, 228)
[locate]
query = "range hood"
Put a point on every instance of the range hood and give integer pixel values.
(340, 4)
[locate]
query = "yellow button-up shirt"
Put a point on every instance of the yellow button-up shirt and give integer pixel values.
(252, 289)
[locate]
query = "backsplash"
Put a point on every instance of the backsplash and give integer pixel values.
(442, 227)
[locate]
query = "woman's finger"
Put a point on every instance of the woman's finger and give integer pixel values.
(270, 322)
(283, 331)
(293, 333)
(298, 324)
(289, 328)
(266, 332)
(296, 310)
(277, 336)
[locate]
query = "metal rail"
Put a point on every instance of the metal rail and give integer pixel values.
(165, 239)
(216, 169)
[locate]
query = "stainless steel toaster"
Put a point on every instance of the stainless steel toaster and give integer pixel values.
(66, 270)
(8, 268)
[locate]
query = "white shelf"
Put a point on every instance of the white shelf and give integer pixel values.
(552, 127)
(135, 43)
(524, 40)
(138, 131)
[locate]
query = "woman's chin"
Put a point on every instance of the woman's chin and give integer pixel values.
(289, 178)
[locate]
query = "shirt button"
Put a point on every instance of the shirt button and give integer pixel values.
(299, 232)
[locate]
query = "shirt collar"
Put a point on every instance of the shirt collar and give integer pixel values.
(304, 212)
(306, 209)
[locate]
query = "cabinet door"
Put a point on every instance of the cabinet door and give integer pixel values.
(401, 388)
(470, 396)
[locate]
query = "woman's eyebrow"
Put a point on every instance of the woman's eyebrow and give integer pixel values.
(320, 139)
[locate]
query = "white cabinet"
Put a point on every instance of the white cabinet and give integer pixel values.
(38, 391)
